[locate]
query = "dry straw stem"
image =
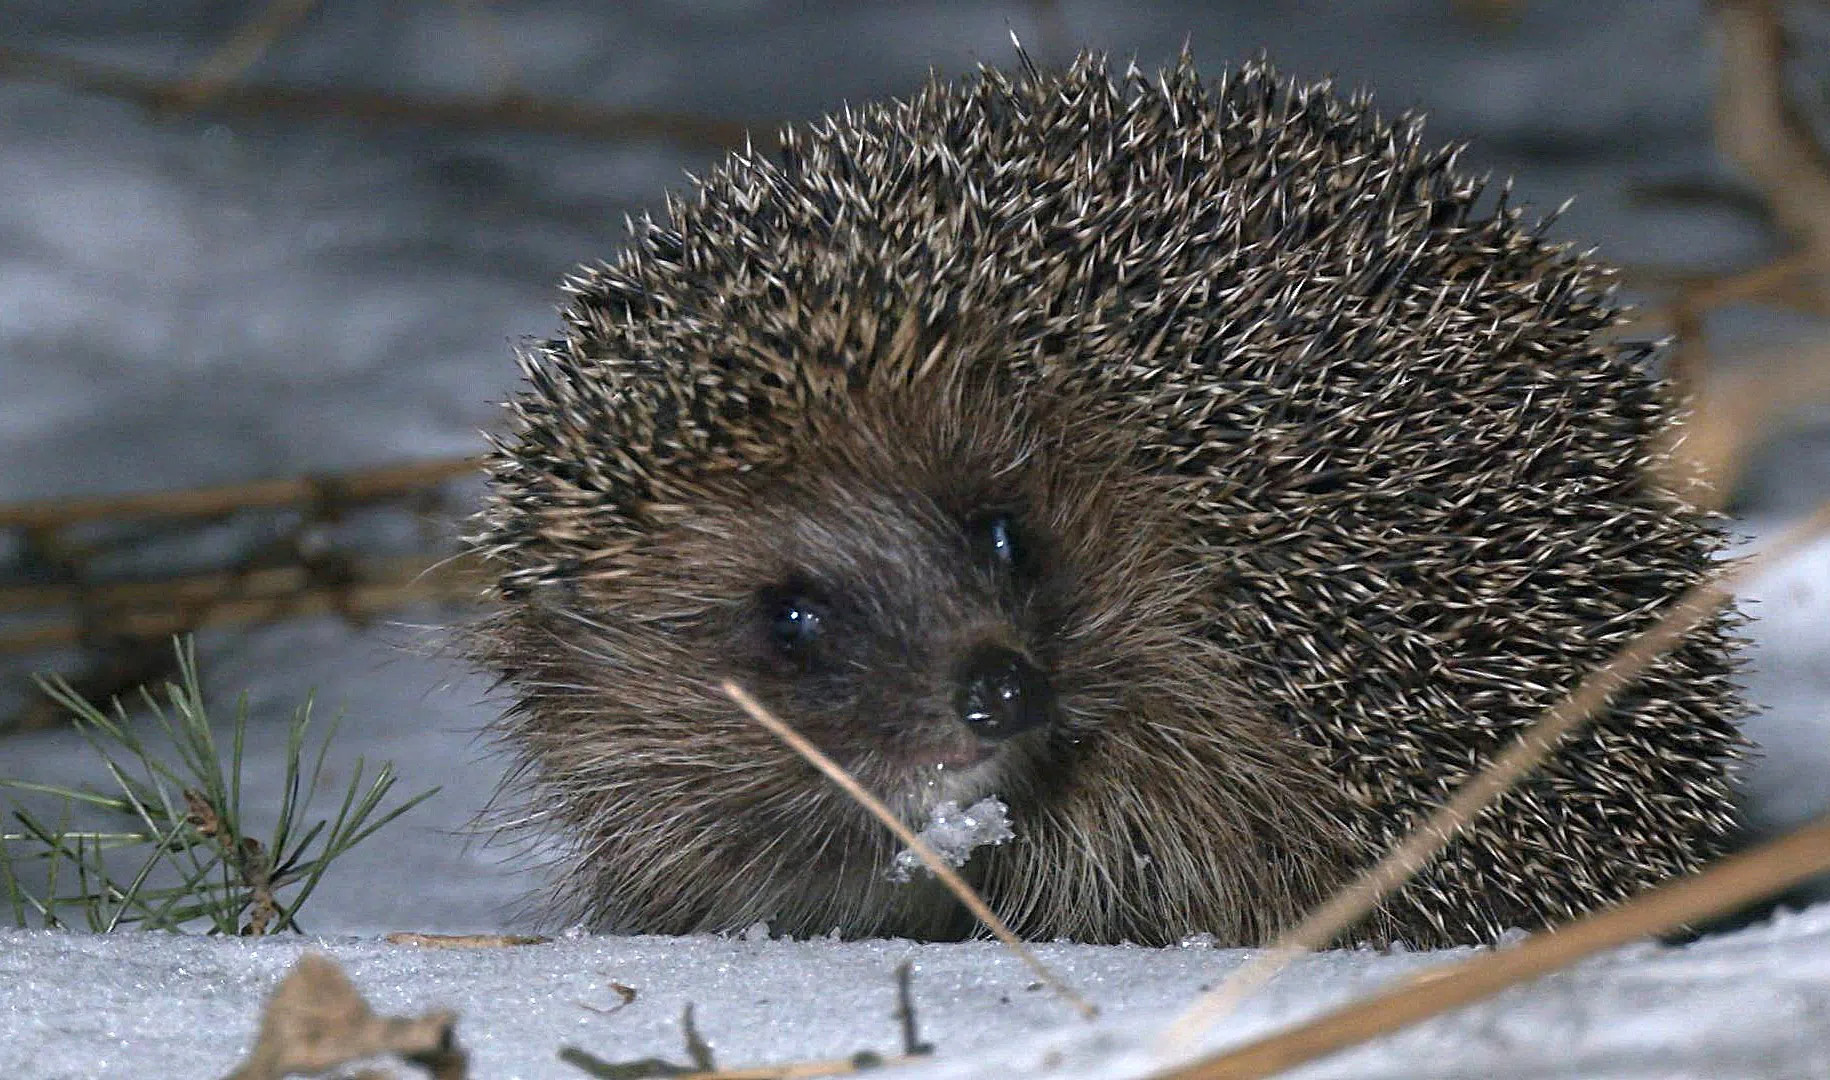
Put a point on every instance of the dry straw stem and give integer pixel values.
(1789, 378)
(1758, 128)
(330, 489)
(1735, 410)
(464, 941)
(933, 862)
(1415, 851)
(161, 96)
(1775, 280)
(243, 49)
(208, 588)
(1729, 884)
(360, 601)
(157, 609)
(151, 610)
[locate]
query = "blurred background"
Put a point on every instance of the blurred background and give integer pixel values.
(262, 267)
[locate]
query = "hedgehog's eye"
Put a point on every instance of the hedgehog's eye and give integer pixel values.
(998, 543)
(794, 623)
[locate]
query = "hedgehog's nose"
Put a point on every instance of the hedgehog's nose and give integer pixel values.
(1001, 693)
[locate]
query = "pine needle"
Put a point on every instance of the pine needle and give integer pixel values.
(200, 869)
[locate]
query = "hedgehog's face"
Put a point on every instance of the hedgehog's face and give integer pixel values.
(914, 636)
(943, 616)
(918, 612)
(952, 602)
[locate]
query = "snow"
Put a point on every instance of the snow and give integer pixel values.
(1747, 1005)
(1789, 674)
(954, 834)
(197, 302)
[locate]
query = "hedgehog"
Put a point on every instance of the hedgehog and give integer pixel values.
(1210, 471)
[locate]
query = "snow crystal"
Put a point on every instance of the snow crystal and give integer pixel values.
(954, 834)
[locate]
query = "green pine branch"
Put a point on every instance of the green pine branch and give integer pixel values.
(199, 868)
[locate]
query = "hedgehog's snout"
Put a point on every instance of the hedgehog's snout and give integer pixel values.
(1001, 693)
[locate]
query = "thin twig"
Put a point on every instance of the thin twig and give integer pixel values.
(1358, 899)
(912, 1046)
(799, 1070)
(933, 862)
(805, 1070)
(1734, 881)
(697, 1048)
(244, 854)
(161, 96)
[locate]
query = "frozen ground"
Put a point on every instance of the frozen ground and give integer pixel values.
(197, 302)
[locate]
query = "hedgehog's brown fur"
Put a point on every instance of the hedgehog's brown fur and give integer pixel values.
(1327, 482)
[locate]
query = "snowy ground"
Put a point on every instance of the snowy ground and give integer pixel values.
(1736, 1007)
(197, 302)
